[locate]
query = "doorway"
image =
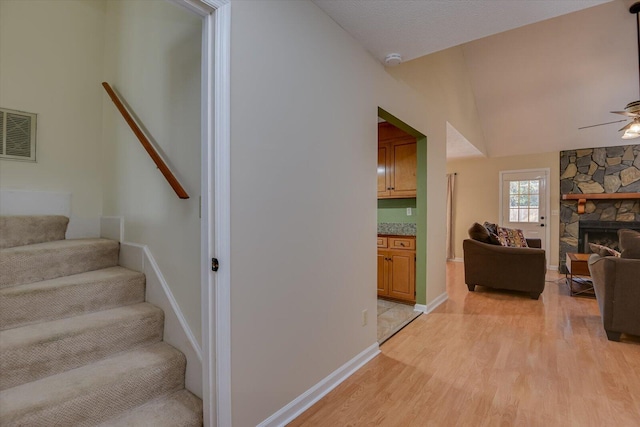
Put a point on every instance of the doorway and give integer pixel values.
(524, 203)
(400, 174)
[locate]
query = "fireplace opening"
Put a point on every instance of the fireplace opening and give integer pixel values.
(603, 233)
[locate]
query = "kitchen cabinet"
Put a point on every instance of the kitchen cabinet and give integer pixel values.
(397, 268)
(397, 163)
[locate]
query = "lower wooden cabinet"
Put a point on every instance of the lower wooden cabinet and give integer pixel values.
(397, 268)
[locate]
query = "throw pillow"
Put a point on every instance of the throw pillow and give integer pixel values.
(629, 241)
(603, 250)
(513, 238)
(493, 228)
(493, 232)
(479, 233)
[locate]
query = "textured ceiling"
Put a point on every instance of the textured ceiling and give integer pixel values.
(416, 28)
(458, 147)
(534, 85)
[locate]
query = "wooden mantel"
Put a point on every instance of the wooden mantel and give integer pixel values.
(582, 198)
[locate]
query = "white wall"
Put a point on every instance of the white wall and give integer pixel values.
(152, 57)
(51, 64)
(303, 182)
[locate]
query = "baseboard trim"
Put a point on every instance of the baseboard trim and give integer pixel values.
(553, 268)
(456, 259)
(318, 391)
(426, 309)
(176, 329)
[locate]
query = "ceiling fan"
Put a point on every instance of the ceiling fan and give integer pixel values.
(632, 110)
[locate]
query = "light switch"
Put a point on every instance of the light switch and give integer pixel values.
(408, 211)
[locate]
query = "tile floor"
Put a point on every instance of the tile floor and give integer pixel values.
(392, 317)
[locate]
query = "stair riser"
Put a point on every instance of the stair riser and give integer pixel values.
(25, 308)
(42, 264)
(27, 230)
(98, 404)
(32, 361)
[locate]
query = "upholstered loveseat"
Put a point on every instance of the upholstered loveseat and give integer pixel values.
(616, 281)
(501, 267)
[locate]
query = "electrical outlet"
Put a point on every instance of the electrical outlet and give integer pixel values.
(408, 211)
(364, 317)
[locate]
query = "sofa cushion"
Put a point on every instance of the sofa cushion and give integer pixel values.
(480, 233)
(603, 250)
(629, 241)
(511, 237)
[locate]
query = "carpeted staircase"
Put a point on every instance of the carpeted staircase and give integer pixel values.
(78, 344)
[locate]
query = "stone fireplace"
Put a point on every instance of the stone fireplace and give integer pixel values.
(602, 171)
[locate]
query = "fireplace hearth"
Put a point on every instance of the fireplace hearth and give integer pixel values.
(603, 233)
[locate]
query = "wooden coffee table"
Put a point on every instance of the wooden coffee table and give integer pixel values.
(578, 276)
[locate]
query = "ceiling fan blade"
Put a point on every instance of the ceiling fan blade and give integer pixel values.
(626, 127)
(602, 124)
(625, 113)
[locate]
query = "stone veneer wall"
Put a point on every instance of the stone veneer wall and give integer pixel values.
(597, 170)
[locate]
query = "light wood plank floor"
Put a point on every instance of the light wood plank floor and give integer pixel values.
(492, 358)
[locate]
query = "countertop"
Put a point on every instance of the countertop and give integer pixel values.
(396, 229)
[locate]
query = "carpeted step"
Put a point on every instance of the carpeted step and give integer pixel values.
(27, 230)
(42, 261)
(180, 409)
(32, 352)
(70, 296)
(97, 392)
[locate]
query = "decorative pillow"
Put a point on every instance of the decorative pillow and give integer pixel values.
(513, 238)
(629, 241)
(491, 227)
(479, 233)
(493, 232)
(603, 250)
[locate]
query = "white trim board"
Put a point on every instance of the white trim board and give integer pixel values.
(426, 309)
(176, 330)
(318, 391)
(215, 207)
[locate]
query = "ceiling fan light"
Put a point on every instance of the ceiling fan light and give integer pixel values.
(629, 134)
(635, 126)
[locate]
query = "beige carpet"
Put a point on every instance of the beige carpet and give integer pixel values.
(392, 317)
(78, 344)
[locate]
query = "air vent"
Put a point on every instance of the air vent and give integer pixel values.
(18, 135)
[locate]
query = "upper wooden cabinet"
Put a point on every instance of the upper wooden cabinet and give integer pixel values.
(397, 160)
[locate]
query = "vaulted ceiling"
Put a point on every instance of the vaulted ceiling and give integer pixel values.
(539, 70)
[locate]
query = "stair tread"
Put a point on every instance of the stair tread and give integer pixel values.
(70, 296)
(41, 261)
(58, 244)
(180, 409)
(81, 383)
(31, 352)
(72, 280)
(56, 329)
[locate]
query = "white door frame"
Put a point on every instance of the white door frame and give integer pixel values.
(215, 208)
(547, 175)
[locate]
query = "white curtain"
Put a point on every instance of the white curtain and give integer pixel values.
(451, 248)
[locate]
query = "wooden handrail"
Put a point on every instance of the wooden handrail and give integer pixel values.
(155, 156)
(582, 198)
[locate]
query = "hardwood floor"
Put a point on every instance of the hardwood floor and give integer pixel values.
(492, 358)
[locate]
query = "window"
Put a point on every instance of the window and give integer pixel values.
(17, 135)
(524, 201)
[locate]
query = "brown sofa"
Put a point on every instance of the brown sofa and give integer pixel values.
(495, 266)
(616, 282)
